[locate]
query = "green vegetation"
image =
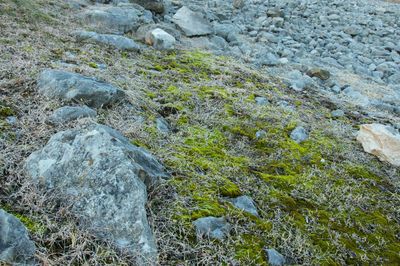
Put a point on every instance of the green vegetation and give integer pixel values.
(25, 10)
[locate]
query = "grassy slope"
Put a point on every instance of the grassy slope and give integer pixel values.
(321, 202)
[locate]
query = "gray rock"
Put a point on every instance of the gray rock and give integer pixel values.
(103, 177)
(162, 125)
(261, 134)
(115, 19)
(212, 227)
(69, 113)
(11, 120)
(356, 96)
(299, 134)
(275, 258)
(117, 41)
(261, 100)
(160, 39)
(337, 113)
(245, 203)
(191, 23)
(297, 81)
(15, 246)
(144, 29)
(75, 87)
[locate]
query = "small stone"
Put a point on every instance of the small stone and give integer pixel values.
(275, 12)
(212, 227)
(11, 120)
(337, 113)
(261, 100)
(261, 134)
(299, 134)
(15, 246)
(160, 39)
(69, 113)
(245, 203)
(162, 125)
(275, 258)
(319, 73)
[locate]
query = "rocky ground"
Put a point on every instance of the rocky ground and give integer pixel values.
(199, 132)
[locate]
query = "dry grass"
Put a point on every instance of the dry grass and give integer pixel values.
(212, 107)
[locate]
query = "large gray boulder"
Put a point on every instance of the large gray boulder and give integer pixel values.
(191, 23)
(75, 87)
(112, 40)
(103, 177)
(115, 19)
(15, 246)
(70, 113)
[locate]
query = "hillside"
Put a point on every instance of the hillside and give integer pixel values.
(198, 129)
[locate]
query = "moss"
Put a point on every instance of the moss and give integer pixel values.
(250, 250)
(5, 110)
(31, 224)
(26, 11)
(93, 65)
(229, 189)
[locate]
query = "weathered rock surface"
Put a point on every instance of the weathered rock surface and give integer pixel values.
(69, 113)
(381, 141)
(115, 19)
(103, 177)
(275, 258)
(299, 134)
(15, 246)
(245, 203)
(117, 41)
(75, 87)
(154, 5)
(160, 39)
(191, 23)
(212, 227)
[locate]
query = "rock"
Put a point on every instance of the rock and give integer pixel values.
(297, 81)
(156, 6)
(275, 13)
(245, 203)
(319, 73)
(69, 113)
(75, 87)
(275, 258)
(160, 39)
(238, 4)
(356, 96)
(299, 134)
(11, 120)
(15, 246)
(103, 178)
(191, 23)
(337, 113)
(162, 125)
(381, 141)
(144, 29)
(212, 227)
(261, 134)
(117, 41)
(261, 100)
(115, 19)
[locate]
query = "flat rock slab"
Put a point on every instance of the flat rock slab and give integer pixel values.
(112, 40)
(381, 141)
(70, 113)
(115, 19)
(103, 177)
(15, 246)
(75, 87)
(191, 23)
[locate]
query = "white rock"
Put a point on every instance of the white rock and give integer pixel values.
(160, 39)
(381, 141)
